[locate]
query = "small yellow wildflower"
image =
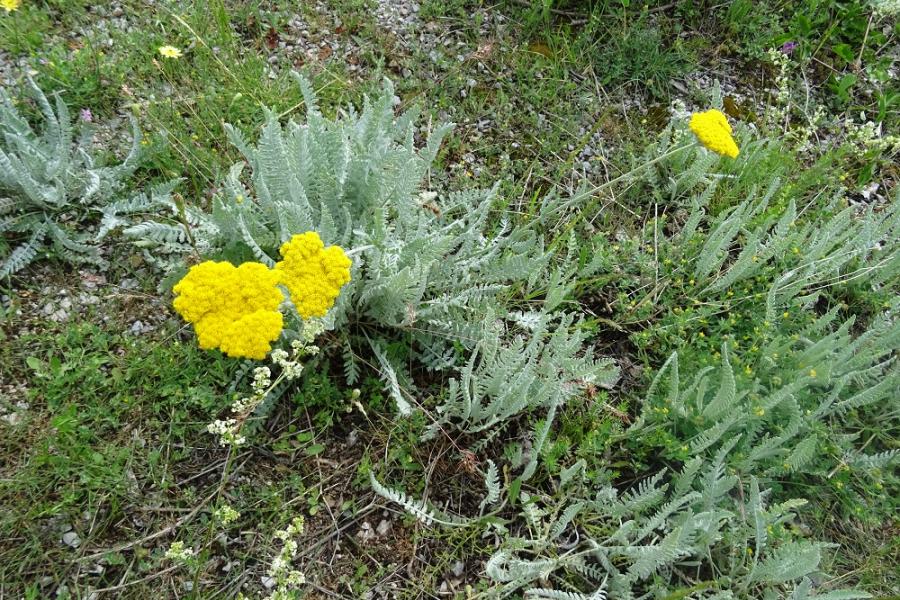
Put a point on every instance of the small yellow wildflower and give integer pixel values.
(170, 51)
(714, 132)
(10, 5)
(812, 373)
(232, 308)
(313, 274)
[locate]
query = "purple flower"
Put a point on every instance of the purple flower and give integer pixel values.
(789, 47)
(86, 115)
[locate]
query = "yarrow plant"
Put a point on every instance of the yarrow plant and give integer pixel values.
(237, 309)
(232, 308)
(435, 283)
(714, 132)
(313, 273)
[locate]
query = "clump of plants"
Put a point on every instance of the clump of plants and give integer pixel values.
(51, 185)
(422, 281)
(436, 283)
(745, 307)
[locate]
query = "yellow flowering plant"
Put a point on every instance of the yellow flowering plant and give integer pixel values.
(170, 52)
(10, 5)
(713, 130)
(237, 309)
(431, 273)
(234, 309)
(312, 273)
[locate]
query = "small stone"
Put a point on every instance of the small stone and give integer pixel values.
(458, 569)
(71, 539)
(384, 527)
(365, 532)
(89, 299)
(268, 582)
(12, 419)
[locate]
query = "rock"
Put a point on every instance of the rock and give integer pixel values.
(71, 539)
(13, 418)
(365, 532)
(268, 582)
(458, 569)
(88, 299)
(60, 316)
(384, 527)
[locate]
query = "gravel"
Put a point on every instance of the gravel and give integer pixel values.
(71, 539)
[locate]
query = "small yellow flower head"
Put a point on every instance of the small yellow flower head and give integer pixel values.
(714, 132)
(10, 5)
(170, 51)
(234, 309)
(313, 274)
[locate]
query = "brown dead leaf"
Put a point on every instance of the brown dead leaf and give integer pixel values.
(272, 38)
(325, 52)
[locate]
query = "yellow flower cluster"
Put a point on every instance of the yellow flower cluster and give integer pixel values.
(232, 308)
(10, 5)
(714, 132)
(313, 274)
